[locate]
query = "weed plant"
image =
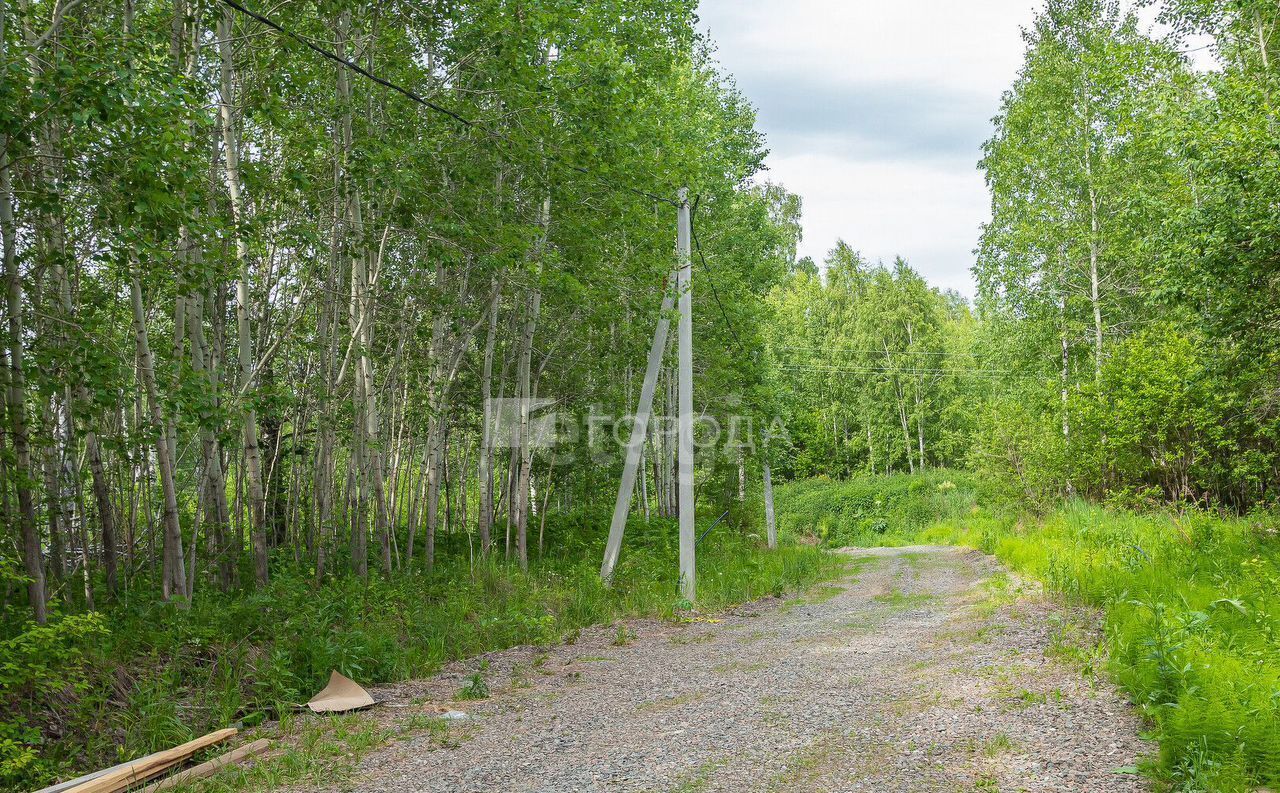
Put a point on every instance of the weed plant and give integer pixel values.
(1191, 602)
(89, 690)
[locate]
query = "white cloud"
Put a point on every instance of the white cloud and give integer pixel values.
(919, 211)
(934, 42)
(875, 113)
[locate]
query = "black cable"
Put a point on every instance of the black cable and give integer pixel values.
(693, 231)
(336, 58)
(413, 95)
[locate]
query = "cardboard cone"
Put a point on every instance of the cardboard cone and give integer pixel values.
(341, 695)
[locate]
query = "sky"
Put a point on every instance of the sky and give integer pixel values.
(875, 113)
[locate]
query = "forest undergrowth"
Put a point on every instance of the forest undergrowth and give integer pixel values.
(87, 691)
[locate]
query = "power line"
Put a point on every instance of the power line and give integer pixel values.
(427, 103)
(853, 351)
(894, 370)
(693, 229)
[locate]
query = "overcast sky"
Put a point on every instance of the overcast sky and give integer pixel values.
(875, 113)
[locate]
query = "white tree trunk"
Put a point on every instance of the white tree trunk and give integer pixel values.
(231, 160)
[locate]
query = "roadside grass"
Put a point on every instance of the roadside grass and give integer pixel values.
(874, 510)
(898, 601)
(88, 691)
(700, 778)
(1191, 604)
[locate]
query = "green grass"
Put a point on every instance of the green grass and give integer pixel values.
(899, 601)
(1192, 609)
(1191, 604)
(700, 778)
(88, 691)
(873, 510)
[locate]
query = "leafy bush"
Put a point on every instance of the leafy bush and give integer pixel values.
(84, 691)
(873, 510)
(39, 664)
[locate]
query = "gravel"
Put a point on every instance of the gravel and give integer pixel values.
(912, 673)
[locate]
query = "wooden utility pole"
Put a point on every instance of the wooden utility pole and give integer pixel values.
(639, 427)
(770, 523)
(688, 571)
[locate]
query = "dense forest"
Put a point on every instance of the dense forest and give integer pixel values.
(266, 267)
(262, 278)
(1122, 343)
(255, 300)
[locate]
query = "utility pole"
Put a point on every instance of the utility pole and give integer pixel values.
(639, 428)
(626, 488)
(688, 570)
(770, 522)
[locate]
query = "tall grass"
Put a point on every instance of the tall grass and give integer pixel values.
(141, 676)
(1192, 609)
(874, 510)
(1192, 605)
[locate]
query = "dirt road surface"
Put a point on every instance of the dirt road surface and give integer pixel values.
(921, 669)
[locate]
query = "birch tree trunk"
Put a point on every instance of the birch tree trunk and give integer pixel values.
(920, 424)
(174, 580)
(231, 160)
(53, 502)
(906, 427)
(327, 332)
(15, 393)
(355, 315)
(1094, 283)
(770, 523)
(485, 518)
(526, 399)
(435, 428)
(214, 489)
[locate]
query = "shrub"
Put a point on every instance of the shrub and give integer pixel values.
(86, 690)
(873, 510)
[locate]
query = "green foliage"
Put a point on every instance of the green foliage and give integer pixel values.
(623, 636)
(1192, 622)
(40, 665)
(1126, 281)
(1163, 421)
(870, 368)
(475, 688)
(874, 510)
(161, 675)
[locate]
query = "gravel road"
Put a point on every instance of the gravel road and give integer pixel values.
(922, 669)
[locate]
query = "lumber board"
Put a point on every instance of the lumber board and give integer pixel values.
(209, 767)
(141, 770)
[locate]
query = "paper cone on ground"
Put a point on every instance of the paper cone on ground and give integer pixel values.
(341, 695)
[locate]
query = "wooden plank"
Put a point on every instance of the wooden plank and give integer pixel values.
(210, 767)
(70, 783)
(141, 770)
(62, 787)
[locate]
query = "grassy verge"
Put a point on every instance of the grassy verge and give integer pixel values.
(90, 690)
(1192, 605)
(873, 510)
